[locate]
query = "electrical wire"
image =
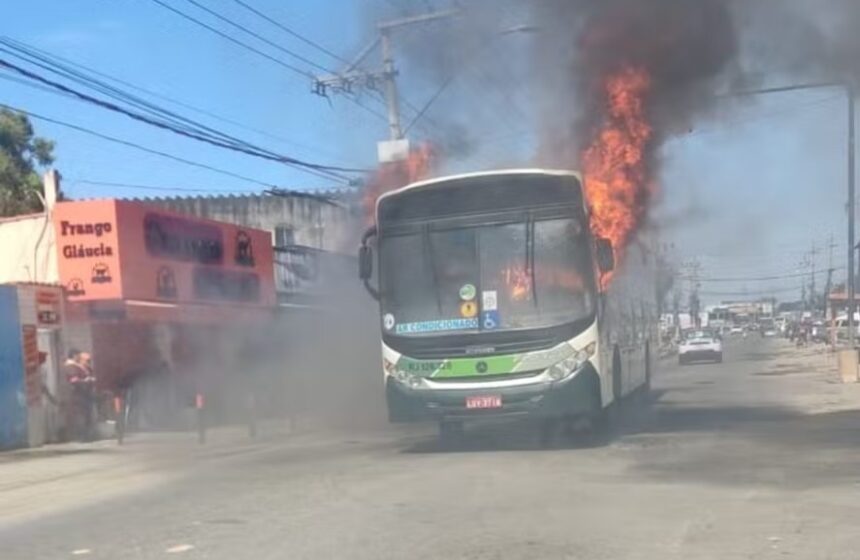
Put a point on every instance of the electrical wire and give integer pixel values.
(258, 36)
(134, 145)
(28, 83)
(292, 32)
(760, 278)
(430, 102)
(118, 95)
(753, 293)
(308, 193)
(182, 132)
(56, 59)
(724, 125)
(233, 40)
(244, 45)
(149, 187)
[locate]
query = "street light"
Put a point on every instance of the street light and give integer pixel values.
(849, 93)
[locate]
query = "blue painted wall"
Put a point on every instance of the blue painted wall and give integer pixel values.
(13, 406)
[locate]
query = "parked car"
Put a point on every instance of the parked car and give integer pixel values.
(700, 346)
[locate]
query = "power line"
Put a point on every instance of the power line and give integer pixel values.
(149, 187)
(233, 40)
(760, 292)
(135, 146)
(258, 36)
(320, 196)
(303, 73)
(291, 32)
(53, 58)
(257, 152)
(179, 121)
(791, 109)
(430, 101)
(28, 83)
(764, 278)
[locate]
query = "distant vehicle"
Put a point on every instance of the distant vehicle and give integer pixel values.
(769, 332)
(736, 330)
(700, 346)
(818, 333)
(841, 326)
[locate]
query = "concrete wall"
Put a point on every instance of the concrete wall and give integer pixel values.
(315, 222)
(28, 250)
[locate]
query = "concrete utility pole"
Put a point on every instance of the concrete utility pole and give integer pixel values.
(829, 284)
(352, 78)
(852, 210)
(692, 269)
(392, 102)
(812, 253)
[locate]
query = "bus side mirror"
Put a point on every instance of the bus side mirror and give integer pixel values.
(365, 262)
(605, 256)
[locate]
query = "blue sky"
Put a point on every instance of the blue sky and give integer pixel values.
(140, 42)
(747, 192)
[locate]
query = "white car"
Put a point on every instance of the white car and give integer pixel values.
(700, 346)
(736, 330)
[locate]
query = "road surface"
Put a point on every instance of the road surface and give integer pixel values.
(757, 457)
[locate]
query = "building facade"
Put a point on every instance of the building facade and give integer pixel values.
(311, 233)
(325, 222)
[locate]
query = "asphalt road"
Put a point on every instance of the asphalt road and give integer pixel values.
(758, 457)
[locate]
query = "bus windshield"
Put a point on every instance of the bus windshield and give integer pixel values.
(526, 274)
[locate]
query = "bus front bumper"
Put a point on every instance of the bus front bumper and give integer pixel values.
(576, 395)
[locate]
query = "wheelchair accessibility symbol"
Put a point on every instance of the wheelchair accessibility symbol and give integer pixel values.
(490, 320)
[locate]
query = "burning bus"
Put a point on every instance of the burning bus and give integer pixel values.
(493, 301)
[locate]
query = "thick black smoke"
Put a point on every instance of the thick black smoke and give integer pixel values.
(546, 81)
(800, 40)
(685, 46)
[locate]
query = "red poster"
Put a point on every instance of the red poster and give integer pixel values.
(32, 374)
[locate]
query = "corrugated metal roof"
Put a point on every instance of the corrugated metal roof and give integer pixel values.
(331, 196)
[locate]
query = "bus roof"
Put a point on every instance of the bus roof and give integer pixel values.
(429, 183)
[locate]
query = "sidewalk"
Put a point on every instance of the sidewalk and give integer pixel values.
(53, 478)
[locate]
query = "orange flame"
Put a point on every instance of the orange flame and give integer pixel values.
(392, 176)
(615, 167)
(518, 282)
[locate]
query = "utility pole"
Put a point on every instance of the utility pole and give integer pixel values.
(693, 268)
(352, 78)
(829, 285)
(389, 75)
(812, 253)
(851, 216)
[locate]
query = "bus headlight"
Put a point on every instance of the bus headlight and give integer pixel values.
(410, 379)
(573, 363)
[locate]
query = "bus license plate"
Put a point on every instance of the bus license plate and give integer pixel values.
(484, 401)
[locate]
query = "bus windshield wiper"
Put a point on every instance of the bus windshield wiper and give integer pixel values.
(530, 257)
(430, 254)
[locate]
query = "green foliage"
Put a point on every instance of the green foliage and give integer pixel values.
(21, 155)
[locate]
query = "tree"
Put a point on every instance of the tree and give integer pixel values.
(22, 154)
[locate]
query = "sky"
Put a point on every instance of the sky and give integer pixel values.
(747, 193)
(142, 43)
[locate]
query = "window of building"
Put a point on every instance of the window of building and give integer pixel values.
(285, 235)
